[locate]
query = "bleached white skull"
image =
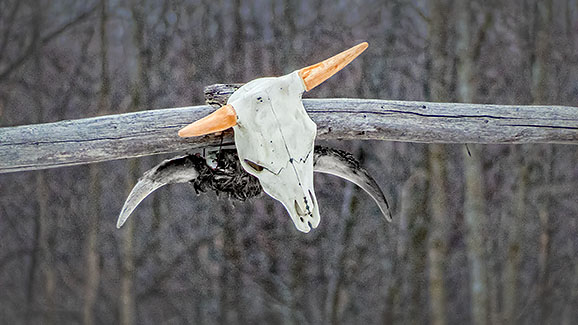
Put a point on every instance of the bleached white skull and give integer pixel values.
(274, 135)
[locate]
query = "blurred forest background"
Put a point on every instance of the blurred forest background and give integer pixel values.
(490, 237)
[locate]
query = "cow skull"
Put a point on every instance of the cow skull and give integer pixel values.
(274, 135)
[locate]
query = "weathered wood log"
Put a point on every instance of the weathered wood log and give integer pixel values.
(218, 94)
(152, 132)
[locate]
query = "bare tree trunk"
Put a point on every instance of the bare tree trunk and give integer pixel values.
(570, 313)
(270, 285)
(127, 297)
(127, 301)
(411, 223)
(237, 58)
(232, 309)
(298, 284)
(92, 253)
(438, 86)
(437, 56)
(475, 203)
(139, 94)
(540, 93)
(46, 263)
(289, 33)
(34, 257)
(475, 221)
(418, 228)
(540, 81)
(437, 249)
(42, 263)
(545, 246)
(512, 263)
(334, 305)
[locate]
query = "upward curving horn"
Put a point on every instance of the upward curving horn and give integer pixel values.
(342, 164)
(228, 177)
(316, 74)
(176, 170)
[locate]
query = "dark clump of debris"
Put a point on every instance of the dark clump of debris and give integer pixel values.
(227, 177)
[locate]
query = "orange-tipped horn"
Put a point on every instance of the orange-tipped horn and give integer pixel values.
(316, 74)
(221, 119)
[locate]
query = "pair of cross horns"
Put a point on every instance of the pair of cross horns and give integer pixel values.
(312, 76)
(275, 142)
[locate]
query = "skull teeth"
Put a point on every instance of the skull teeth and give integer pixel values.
(299, 210)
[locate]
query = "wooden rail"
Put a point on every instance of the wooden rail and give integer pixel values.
(104, 138)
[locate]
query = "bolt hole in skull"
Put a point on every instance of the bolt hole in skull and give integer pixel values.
(275, 144)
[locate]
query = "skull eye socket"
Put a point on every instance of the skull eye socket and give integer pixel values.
(254, 166)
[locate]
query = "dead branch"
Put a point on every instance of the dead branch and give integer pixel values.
(43, 41)
(144, 133)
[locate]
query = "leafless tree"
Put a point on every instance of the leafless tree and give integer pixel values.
(481, 233)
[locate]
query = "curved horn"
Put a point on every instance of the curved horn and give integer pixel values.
(315, 74)
(344, 165)
(220, 120)
(170, 171)
(182, 170)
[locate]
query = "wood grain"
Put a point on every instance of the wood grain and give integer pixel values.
(144, 133)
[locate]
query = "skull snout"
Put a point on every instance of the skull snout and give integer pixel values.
(304, 208)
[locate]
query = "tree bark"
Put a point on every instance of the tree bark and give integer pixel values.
(541, 92)
(475, 222)
(513, 256)
(334, 305)
(232, 309)
(545, 245)
(474, 202)
(92, 252)
(92, 261)
(127, 301)
(146, 133)
(411, 250)
(437, 246)
(139, 95)
(540, 81)
(416, 274)
(43, 264)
